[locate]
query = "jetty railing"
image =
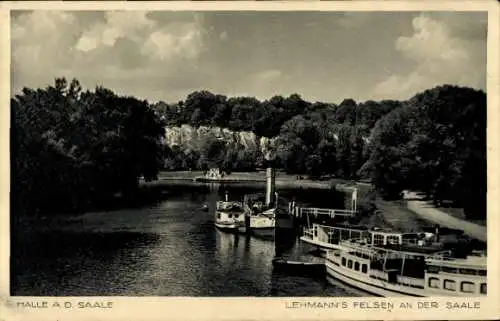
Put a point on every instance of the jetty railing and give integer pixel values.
(314, 211)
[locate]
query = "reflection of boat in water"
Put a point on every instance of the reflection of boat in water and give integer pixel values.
(406, 264)
(229, 216)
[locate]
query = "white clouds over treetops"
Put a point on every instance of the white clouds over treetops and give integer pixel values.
(440, 56)
(167, 55)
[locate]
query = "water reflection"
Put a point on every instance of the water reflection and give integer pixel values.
(170, 248)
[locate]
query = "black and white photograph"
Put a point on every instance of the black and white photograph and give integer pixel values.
(193, 153)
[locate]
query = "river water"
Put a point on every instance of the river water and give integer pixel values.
(169, 248)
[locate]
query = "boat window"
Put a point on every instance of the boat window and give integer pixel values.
(230, 216)
(218, 215)
(349, 264)
(378, 239)
(393, 239)
(343, 261)
(356, 266)
(364, 268)
(432, 269)
(483, 288)
(434, 283)
(481, 272)
(450, 270)
(449, 285)
(468, 271)
(236, 215)
(467, 287)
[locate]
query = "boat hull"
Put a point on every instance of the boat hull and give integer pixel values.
(231, 228)
(365, 285)
(323, 246)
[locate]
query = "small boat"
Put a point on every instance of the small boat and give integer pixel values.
(230, 216)
(299, 267)
(213, 175)
(406, 264)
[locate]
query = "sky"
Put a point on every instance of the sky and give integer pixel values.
(322, 56)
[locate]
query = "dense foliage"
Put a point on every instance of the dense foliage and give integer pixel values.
(434, 142)
(72, 148)
(312, 138)
(78, 146)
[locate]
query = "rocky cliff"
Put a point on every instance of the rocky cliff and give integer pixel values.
(187, 136)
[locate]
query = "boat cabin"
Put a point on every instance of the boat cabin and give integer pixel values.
(458, 275)
(388, 237)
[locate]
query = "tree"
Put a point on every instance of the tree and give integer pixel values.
(79, 147)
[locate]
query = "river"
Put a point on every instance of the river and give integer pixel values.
(169, 248)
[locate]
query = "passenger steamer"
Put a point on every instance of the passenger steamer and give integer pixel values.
(405, 264)
(265, 213)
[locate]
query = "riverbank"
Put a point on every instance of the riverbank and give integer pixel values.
(283, 180)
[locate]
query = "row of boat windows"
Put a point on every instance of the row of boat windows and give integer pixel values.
(229, 216)
(451, 285)
(350, 264)
(379, 239)
(436, 269)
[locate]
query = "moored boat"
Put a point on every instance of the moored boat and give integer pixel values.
(230, 216)
(406, 264)
(327, 237)
(266, 212)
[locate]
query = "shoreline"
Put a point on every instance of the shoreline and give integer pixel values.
(241, 178)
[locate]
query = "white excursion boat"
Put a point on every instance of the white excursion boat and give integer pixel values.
(328, 237)
(230, 216)
(406, 264)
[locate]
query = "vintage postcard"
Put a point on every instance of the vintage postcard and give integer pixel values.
(249, 160)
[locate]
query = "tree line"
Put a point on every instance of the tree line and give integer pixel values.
(78, 146)
(72, 148)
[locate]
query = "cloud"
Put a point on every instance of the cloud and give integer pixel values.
(156, 42)
(268, 75)
(223, 35)
(37, 40)
(440, 55)
(95, 47)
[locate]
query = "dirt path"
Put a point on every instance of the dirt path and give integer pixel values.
(431, 213)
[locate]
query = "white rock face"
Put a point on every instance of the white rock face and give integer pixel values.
(186, 136)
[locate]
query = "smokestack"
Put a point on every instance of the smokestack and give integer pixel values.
(270, 185)
(436, 231)
(227, 197)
